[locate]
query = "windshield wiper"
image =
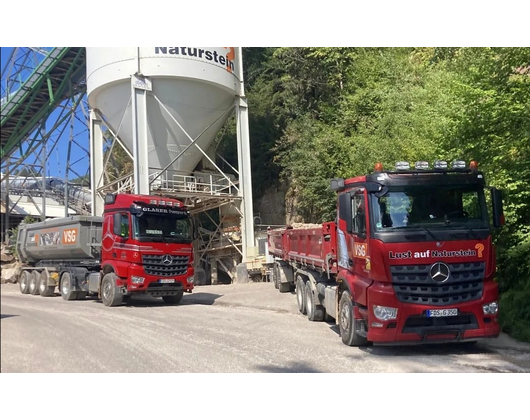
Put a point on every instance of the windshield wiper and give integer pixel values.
(425, 229)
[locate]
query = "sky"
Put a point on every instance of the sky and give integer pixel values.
(57, 158)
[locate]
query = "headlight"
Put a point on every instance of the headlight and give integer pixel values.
(490, 308)
(137, 280)
(191, 279)
(385, 313)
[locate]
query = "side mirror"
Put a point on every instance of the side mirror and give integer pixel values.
(497, 207)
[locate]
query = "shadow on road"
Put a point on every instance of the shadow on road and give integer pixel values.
(188, 299)
(2, 316)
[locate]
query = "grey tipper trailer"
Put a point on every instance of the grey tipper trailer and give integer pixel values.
(59, 252)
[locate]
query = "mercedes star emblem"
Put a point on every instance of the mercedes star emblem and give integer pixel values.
(167, 259)
(439, 272)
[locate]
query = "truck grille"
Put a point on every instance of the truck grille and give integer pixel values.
(413, 284)
(157, 265)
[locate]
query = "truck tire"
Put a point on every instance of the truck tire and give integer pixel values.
(300, 294)
(24, 282)
(109, 294)
(275, 276)
(66, 287)
(348, 323)
(44, 289)
(314, 311)
(34, 283)
(173, 299)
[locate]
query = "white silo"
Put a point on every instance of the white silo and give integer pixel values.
(166, 105)
(193, 89)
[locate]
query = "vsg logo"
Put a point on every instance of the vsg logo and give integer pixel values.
(360, 250)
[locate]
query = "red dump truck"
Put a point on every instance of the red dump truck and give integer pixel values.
(142, 245)
(409, 259)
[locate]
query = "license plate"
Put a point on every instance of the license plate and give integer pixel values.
(166, 281)
(436, 313)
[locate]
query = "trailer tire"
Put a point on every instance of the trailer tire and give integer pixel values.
(315, 312)
(65, 287)
(348, 323)
(24, 282)
(173, 299)
(44, 289)
(109, 294)
(34, 283)
(275, 276)
(300, 294)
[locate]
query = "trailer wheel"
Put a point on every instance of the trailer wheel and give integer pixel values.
(109, 294)
(300, 294)
(275, 276)
(314, 311)
(347, 322)
(34, 283)
(44, 289)
(66, 287)
(173, 299)
(24, 282)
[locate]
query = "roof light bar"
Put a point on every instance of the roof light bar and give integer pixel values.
(402, 166)
(440, 164)
(421, 164)
(458, 164)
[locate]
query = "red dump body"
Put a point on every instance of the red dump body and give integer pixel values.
(311, 245)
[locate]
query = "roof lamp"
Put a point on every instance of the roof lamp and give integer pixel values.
(378, 167)
(402, 166)
(473, 165)
(458, 164)
(440, 164)
(421, 164)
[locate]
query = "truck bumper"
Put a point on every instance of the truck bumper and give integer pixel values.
(412, 326)
(155, 286)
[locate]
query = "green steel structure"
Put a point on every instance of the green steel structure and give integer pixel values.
(32, 91)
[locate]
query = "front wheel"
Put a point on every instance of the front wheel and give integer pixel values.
(173, 299)
(348, 325)
(110, 296)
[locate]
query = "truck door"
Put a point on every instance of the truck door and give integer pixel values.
(358, 246)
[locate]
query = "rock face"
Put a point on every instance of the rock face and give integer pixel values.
(10, 268)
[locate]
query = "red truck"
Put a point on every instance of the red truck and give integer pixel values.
(142, 245)
(409, 259)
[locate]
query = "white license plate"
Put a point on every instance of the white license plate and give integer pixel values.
(166, 281)
(436, 313)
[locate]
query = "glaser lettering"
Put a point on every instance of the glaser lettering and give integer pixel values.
(433, 254)
(226, 60)
(166, 211)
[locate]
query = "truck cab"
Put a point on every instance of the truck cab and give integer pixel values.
(146, 247)
(415, 254)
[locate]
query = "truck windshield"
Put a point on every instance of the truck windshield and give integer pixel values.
(410, 207)
(162, 228)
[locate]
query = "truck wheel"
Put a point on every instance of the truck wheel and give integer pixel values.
(314, 312)
(109, 294)
(34, 282)
(24, 282)
(66, 287)
(300, 294)
(276, 276)
(348, 323)
(174, 299)
(44, 289)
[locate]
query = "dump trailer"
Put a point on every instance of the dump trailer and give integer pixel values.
(142, 245)
(408, 260)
